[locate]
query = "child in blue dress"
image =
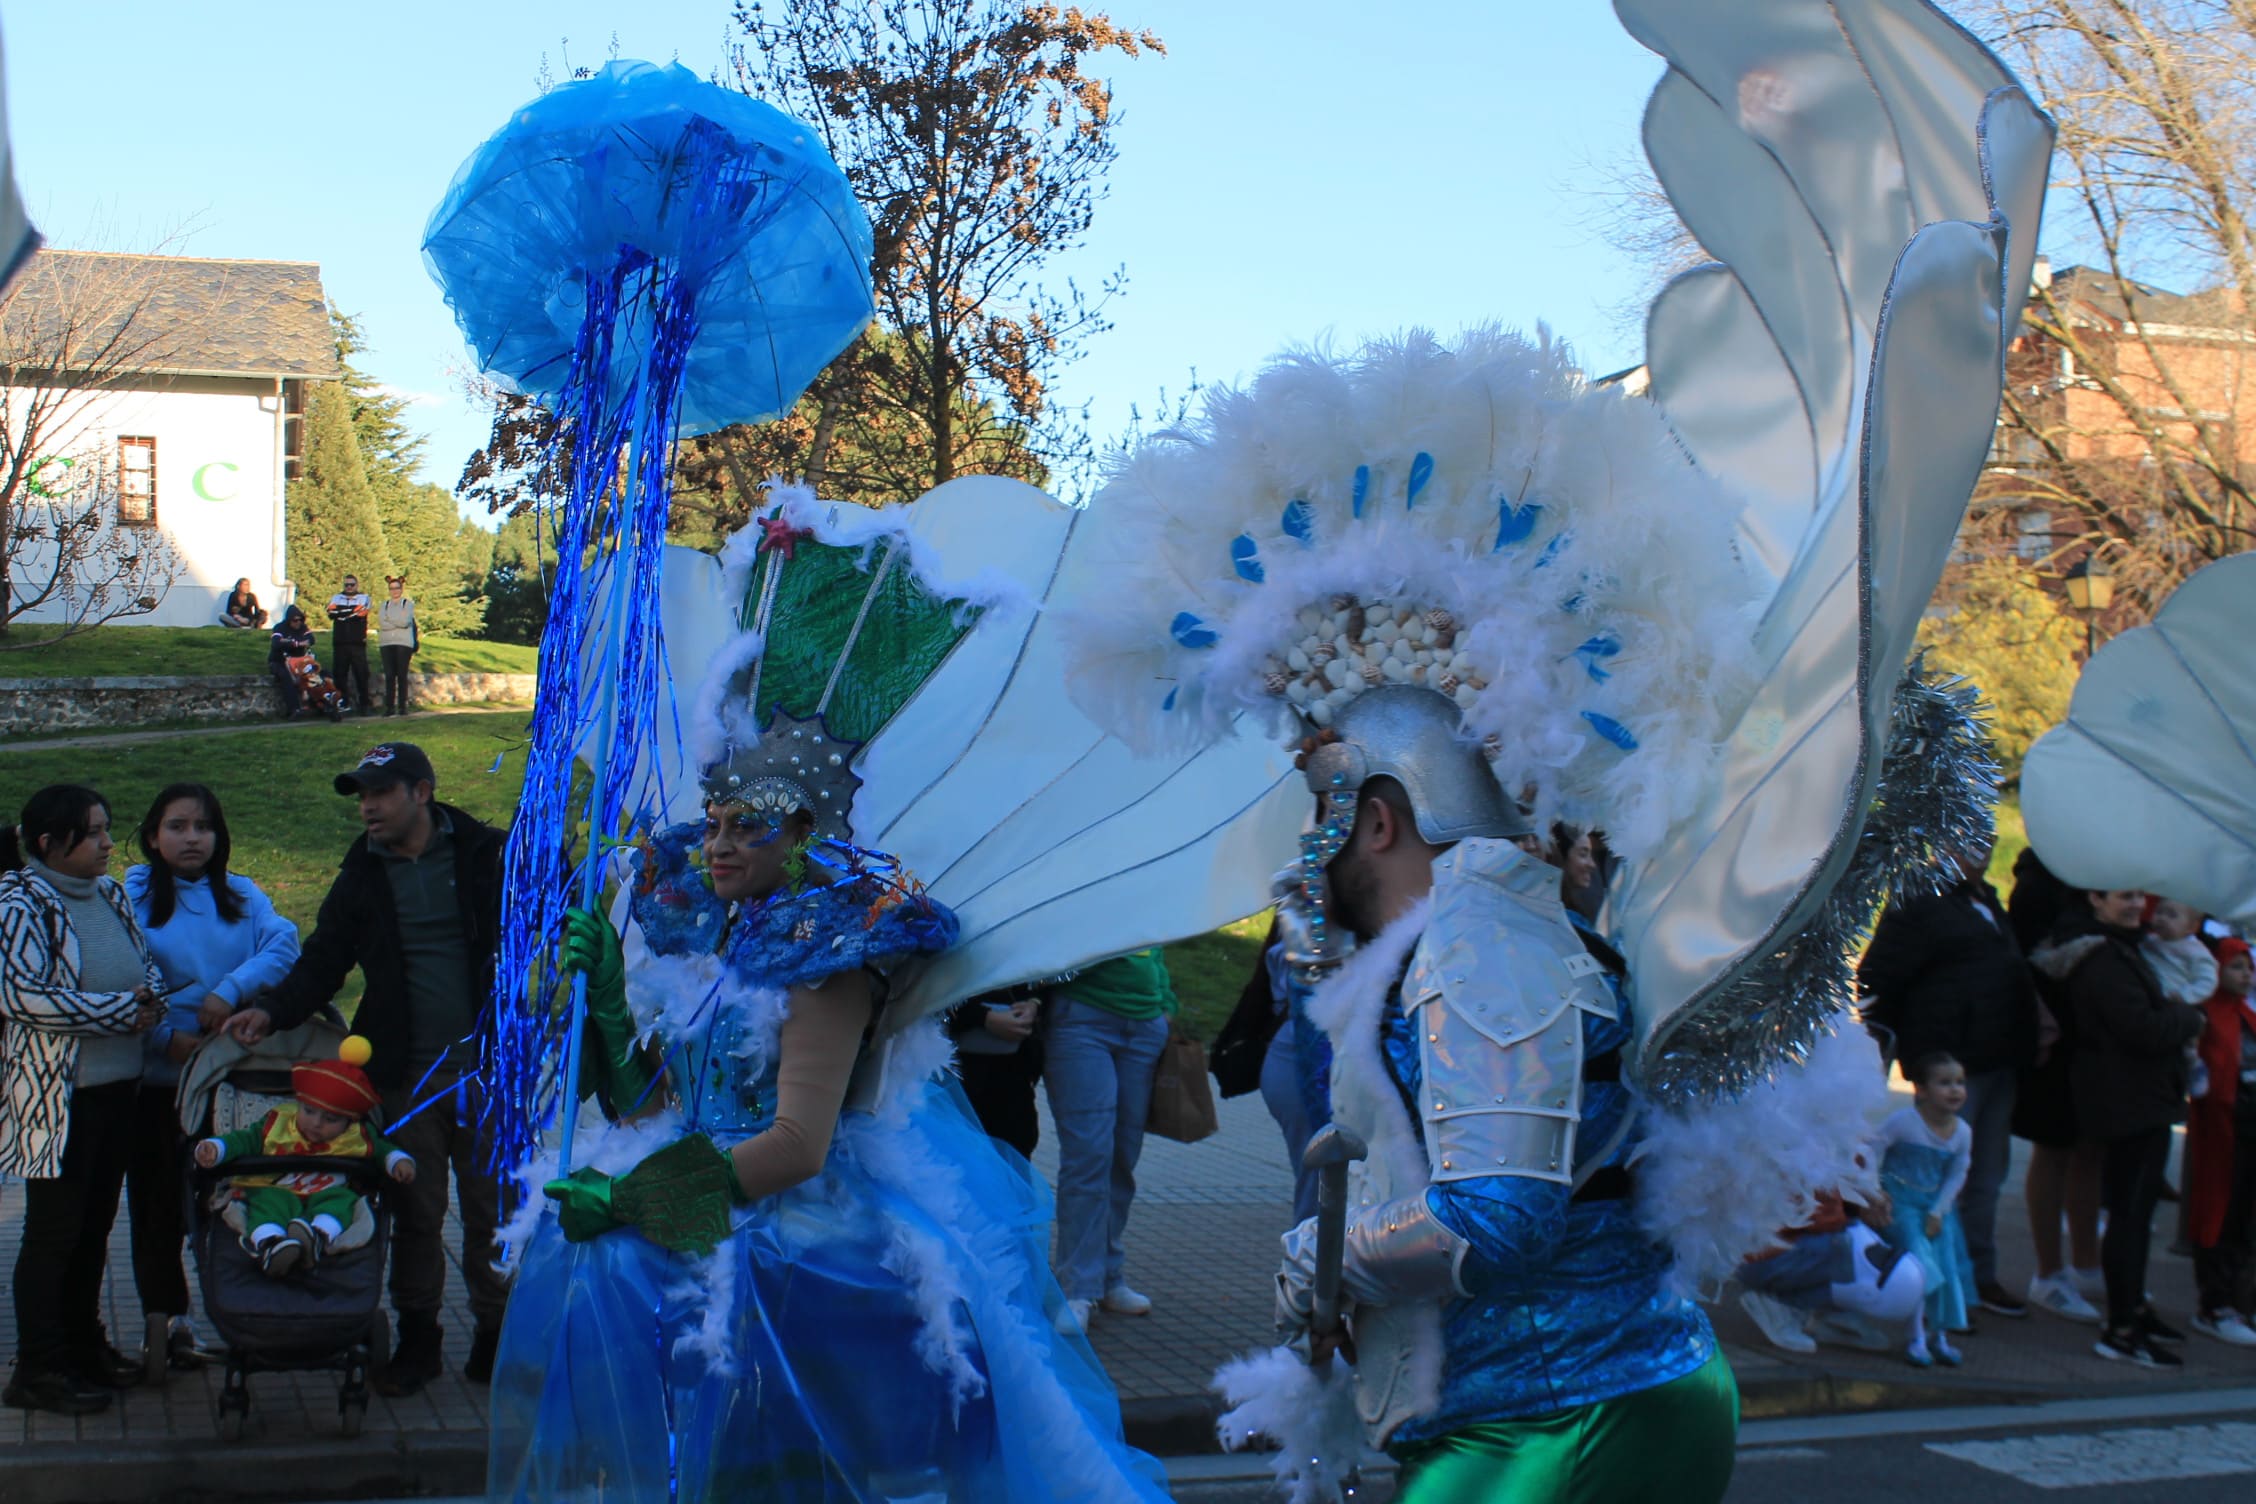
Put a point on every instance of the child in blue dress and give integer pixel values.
(1926, 1151)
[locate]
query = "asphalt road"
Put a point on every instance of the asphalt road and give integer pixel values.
(2194, 1447)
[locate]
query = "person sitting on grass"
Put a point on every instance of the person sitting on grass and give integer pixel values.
(293, 1218)
(240, 608)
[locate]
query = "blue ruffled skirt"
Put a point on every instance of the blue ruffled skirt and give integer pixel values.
(1913, 1175)
(881, 1333)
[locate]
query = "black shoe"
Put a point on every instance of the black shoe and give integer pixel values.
(2000, 1301)
(105, 1368)
(185, 1352)
(2133, 1346)
(415, 1357)
(60, 1393)
(2155, 1327)
(2168, 1192)
(483, 1342)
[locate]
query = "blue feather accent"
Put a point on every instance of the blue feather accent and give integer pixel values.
(1362, 486)
(1169, 702)
(1597, 648)
(498, 756)
(1514, 524)
(1245, 557)
(1554, 548)
(1191, 632)
(1421, 471)
(1299, 522)
(1611, 729)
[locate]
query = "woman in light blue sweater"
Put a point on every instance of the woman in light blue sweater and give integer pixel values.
(220, 943)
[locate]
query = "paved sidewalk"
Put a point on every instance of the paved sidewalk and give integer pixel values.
(1202, 1244)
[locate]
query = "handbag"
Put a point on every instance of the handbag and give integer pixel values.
(1182, 1101)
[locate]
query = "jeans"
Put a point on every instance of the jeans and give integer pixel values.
(1989, 1114)
(286, 686)
(1280, 1092)
(444, 1134)
(395, 656)
(156, 1196)
(2130, 1185)
(1098, 1068)
(66, 1233)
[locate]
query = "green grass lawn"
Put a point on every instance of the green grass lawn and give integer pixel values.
(116, 651)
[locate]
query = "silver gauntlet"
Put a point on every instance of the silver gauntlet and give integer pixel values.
(1401, 1253)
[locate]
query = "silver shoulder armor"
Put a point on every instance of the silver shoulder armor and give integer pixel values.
(1497, 988)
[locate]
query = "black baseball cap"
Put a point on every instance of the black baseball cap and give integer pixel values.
(388, 763)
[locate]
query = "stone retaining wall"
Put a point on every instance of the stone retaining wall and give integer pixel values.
(47, 705)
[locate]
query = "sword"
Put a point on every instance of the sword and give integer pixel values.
(1329, 1154)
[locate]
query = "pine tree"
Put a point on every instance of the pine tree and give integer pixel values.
(333, 526)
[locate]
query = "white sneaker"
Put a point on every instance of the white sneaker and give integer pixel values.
(1781, 1324)
(1122, 1301)
(2059, 1296)
(1072, 1319)
(2226, 1327)
(2091, 1284)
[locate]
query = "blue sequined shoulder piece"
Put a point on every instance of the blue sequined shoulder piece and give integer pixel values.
(804, 936)
(798, 936)
(674, 906)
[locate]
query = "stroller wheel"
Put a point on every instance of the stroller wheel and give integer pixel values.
(234, 1409)
(350, 1414)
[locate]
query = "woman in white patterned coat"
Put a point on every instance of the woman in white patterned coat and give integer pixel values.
(78, 986)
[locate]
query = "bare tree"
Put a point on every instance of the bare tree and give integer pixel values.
(979, 143)
(74, 332)
(2124, 417)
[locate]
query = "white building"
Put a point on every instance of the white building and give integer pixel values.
(191, 411)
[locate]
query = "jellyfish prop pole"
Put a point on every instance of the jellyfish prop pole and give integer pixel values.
(650, 256)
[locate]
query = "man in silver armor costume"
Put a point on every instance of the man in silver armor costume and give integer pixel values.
(1513, 1328)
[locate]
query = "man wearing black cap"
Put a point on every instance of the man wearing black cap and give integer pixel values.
(416, 905)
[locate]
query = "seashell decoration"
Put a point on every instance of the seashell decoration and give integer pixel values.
(1350, 646)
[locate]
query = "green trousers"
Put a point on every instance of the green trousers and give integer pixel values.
(1676, 1442)
(278, 1205)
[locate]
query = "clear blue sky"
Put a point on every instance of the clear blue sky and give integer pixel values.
(1287, 171)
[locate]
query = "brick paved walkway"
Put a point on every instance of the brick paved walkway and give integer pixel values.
(1201, 1244)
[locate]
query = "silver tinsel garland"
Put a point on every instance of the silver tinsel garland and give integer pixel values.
(1939, 779)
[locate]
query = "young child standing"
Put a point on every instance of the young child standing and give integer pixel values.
(292, 1218)
(1926, 1152)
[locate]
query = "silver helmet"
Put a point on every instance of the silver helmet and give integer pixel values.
(1416, 737)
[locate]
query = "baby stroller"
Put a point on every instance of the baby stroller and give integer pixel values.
(326, 1317)
(314, 686)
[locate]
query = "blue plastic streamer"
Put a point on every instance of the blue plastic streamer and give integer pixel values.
(649, 256)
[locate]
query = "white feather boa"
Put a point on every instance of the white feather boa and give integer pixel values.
(1312, 1419)
(1722, 1181)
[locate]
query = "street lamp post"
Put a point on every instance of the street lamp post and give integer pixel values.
(2091, 590)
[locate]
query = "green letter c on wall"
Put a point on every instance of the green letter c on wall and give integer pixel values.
(221, 490)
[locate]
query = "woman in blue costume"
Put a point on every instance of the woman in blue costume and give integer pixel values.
(794, 1268)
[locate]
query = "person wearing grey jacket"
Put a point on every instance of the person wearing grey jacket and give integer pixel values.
(78, 987)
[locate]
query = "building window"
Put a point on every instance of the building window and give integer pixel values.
(2035, 542)
(137, 481)
(293, 427)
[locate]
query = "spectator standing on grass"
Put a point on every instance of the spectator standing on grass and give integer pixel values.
(220, 944)
(78, 987)
(2062, 1186)
(2220, 1154)
(1946, 975)
(397, 638)
(1107, 1028)
(292, 638)
(241, 608)
(416, 905)
(348, 643)
(2128, 1083)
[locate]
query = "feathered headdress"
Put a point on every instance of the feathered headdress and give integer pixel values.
(1480, 521)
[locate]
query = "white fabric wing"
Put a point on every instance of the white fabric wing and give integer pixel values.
(1871, 179)
(2151, 781)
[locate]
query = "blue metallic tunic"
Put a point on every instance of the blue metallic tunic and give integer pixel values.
(1571, 1302)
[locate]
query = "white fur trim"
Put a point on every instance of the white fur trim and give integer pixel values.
(710, 1289)
(1310, 1416)
(1722, 1181)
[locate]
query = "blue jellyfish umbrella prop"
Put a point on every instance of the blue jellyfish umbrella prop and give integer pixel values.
(649, 256)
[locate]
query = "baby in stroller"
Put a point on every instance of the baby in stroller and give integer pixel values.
(291, 1218)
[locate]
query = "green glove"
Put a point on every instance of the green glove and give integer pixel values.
(619, 1072)
(678, 1198)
